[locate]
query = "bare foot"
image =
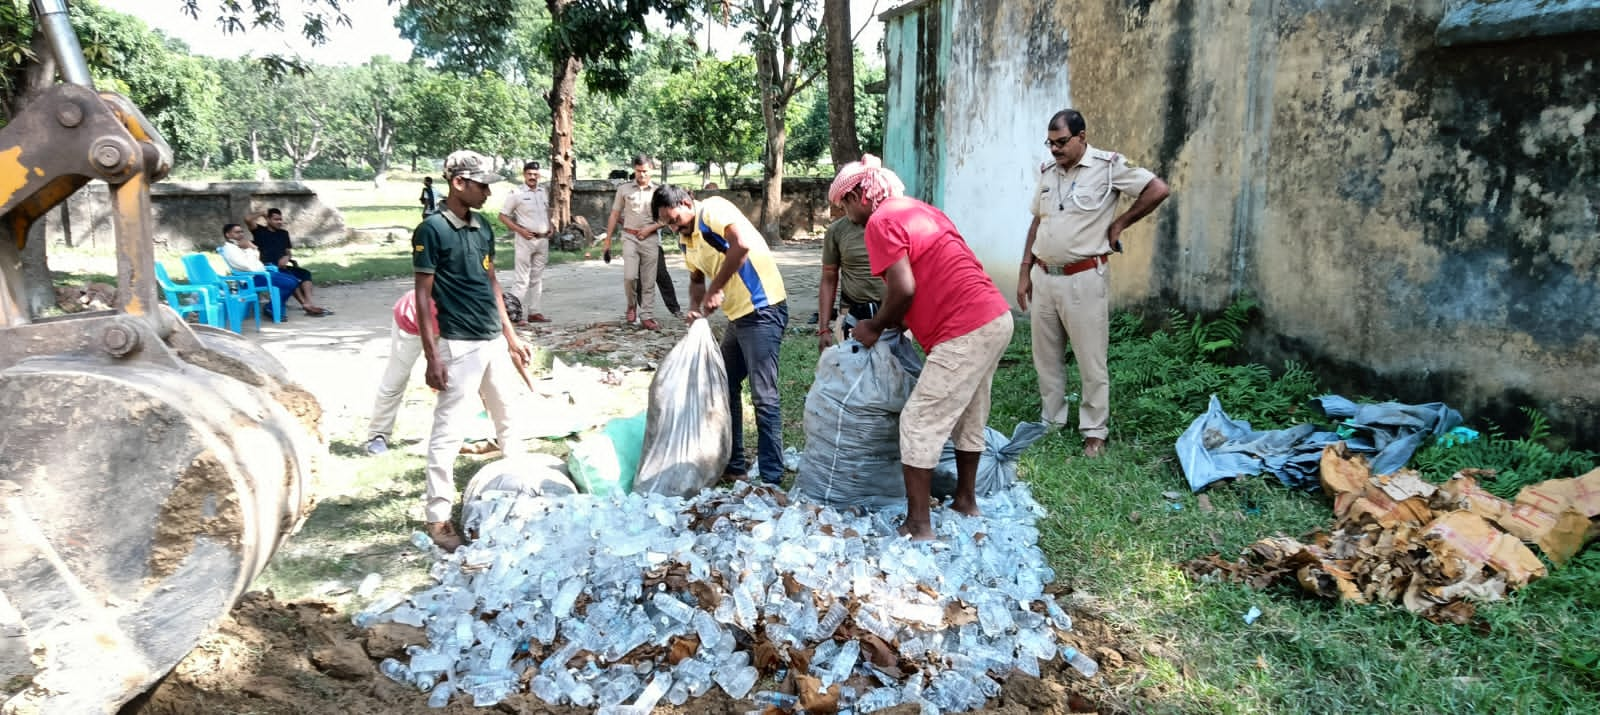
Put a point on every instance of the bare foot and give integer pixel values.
(917, 532)
(970, 508)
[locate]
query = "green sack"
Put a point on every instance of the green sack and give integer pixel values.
(605, 461)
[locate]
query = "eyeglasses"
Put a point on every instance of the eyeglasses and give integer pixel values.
(1059, 143)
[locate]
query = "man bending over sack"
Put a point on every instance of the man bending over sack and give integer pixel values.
(936, 288)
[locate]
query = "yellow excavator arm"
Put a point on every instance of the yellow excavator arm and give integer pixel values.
(148, 468)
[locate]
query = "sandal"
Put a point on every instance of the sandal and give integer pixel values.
(318, 312)
(650, 324)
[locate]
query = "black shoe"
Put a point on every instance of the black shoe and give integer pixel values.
(813, 320)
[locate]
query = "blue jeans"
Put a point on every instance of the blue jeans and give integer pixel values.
(750, 350)
(284, 284)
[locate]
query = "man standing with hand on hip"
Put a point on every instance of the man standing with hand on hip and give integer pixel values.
(527, 214)
(475, 346)
(1064, 273)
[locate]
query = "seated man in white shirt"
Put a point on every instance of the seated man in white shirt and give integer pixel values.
(241, 255)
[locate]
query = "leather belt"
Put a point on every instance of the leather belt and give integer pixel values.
(1086, 264)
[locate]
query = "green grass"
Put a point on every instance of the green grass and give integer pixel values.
(1114, 540)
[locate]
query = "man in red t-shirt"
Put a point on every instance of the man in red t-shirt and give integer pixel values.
(938, 290)
(404, 349)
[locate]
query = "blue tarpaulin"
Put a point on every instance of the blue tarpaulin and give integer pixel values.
(1216, 446)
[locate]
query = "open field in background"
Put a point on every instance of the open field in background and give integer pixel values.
(392, 206)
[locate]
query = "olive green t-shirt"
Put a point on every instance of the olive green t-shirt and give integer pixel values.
(460, 255)
(845, 246)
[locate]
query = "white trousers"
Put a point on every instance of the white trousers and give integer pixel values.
(480, 367)
(404, 348)
(527, 283)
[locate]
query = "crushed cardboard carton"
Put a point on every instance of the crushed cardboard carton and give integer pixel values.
(1437, 550)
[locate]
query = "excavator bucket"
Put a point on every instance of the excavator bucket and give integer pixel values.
(148, 468)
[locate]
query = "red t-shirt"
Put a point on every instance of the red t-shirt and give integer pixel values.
(954, 295)
(405, 314)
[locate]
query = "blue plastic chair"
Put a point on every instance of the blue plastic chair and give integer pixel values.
(236, 295)
(261, 282)
(201, 301)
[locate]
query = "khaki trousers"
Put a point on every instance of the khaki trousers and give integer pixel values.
(527, 283)
(951, 399)
(639, 256)
(1074, 308)
(474, 367)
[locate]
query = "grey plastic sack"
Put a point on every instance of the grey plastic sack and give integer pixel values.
(997, 466)
(852, 423)
(687, 438)
(525, 475)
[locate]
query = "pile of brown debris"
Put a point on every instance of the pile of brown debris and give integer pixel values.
(1437, 549)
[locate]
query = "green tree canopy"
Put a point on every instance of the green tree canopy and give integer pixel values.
(711, 114)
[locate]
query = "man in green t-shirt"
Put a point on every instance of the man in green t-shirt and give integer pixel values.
(845, 266)
(476, 349)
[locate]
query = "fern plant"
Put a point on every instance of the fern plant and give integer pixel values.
(1517, 462)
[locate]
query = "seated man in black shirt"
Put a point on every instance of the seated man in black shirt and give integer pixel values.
(272, 240)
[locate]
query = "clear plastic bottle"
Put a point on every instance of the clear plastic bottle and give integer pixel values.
(844, 663)
(1079, 662)
(422, 542)
(440, 696)
(395, 670)
(772, 698)
(830, 622)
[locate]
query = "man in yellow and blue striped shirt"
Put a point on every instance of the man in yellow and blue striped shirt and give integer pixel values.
(731, 267)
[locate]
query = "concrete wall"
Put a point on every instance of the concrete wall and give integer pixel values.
(804, 208)
(190, 216)
(1416, 219)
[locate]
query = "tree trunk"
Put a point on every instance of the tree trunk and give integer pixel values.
(844, 143)
(561, 98)
(563, 165)
(772, 159)
(255, 148)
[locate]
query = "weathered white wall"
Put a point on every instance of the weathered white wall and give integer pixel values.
(996, 109)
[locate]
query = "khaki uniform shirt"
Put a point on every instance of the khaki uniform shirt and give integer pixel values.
(845, 246)
(633, 201)
(529, 208)
(1075, 206)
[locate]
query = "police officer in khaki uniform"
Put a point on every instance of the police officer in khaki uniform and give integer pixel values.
(641, 247)
(526, 214)
(1064, 273)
